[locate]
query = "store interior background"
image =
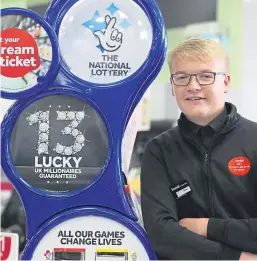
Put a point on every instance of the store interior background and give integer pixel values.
(237, 21)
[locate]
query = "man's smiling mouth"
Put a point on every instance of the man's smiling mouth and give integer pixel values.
(194, 98)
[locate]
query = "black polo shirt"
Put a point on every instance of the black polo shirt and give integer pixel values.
(206, 133)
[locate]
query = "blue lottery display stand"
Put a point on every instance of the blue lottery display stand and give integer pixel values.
(77, 75)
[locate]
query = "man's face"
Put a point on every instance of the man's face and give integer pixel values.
(201, 104)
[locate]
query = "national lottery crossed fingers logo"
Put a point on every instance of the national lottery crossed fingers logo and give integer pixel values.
(109, 32)
(107, 29)
(111, 39)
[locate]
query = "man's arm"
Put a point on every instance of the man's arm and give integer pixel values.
(170, 240)
(239, 233)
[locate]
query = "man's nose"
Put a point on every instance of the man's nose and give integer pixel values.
(193, 84)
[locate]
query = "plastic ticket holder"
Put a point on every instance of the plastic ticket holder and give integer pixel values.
(61, 148)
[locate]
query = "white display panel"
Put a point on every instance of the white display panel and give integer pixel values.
(90, 238)
(107, 42)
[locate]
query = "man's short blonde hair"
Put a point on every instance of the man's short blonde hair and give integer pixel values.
(198, 48)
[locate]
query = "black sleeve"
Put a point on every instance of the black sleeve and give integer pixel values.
(168, 239)
(239, 233)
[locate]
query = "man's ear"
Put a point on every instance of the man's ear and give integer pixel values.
(227, 84)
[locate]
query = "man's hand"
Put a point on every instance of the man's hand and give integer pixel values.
(248, 256)
(196, 225)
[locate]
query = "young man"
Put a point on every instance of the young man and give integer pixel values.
(199, 179)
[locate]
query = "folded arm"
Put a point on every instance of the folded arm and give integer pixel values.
(168, 238)
(239, 233)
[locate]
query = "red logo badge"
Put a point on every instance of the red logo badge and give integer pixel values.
(239, 166)
(19, 53)
(5, 247)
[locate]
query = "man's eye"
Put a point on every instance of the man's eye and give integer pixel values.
(182, 77)
(206, 76)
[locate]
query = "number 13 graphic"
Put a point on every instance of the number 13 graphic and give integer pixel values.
(42, 118)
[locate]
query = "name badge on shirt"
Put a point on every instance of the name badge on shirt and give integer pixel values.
(181, 190)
